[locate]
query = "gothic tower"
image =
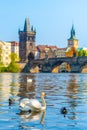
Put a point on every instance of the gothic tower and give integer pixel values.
(73, 41)
(27, 42)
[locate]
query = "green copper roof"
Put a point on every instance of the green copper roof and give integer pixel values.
(27, 25)
(79, 49)
(72, 33)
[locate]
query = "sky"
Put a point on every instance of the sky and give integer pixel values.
(52, 19)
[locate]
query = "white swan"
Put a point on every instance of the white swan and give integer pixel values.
(29, 80)
(33, 104)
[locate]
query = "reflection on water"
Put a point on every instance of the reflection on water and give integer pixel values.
(27, 89)
(33, 116)
(9, 85)
(62, 90)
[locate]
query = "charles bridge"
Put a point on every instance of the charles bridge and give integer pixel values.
(46, 65)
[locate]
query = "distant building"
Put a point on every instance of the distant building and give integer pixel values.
(37, 53)
(60, 52)
(15, 47)
(41, 50)
(46, 51)
(27, 42)
(7, 48)
(6, 51)
(51, 52)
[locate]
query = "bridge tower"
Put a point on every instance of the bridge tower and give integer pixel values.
(27, 42)
(73, 41)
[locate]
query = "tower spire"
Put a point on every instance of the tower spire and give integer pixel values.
(27, 25)
(73, 32)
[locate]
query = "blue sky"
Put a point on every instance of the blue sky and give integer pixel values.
(52, 19)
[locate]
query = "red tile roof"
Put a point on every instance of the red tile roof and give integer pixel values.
(14, 43)
(42, 47)
(61, 48)
(53, 47)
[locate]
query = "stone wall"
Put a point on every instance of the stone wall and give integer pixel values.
(22, 66)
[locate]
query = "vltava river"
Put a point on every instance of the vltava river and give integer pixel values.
(62, 90)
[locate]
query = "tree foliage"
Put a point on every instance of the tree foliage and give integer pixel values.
(71, 52)
(14, 57)
(82, 53)
(13, 67)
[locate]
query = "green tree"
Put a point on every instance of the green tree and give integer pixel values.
(82, 53)
(13, 66)
(14, 57)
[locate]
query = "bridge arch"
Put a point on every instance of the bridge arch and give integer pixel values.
(34, 69)
(84, 67)
(62, 66)
(30, 56)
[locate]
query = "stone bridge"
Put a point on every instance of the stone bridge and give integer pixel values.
(46, 65)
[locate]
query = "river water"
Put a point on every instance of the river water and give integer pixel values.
(67, 90)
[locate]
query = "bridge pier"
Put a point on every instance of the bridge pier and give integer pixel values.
(75, 68)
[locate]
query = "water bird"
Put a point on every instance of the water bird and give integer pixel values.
(33, 104)
(64, 110)
(11, 101)
(29, 80)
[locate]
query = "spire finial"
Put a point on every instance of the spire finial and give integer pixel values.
(27, 25)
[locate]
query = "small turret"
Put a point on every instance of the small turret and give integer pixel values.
(32, 28)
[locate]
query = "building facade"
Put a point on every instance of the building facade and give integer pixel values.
(46, 51)
(60, 52)
(6, 49)
(5, 54)
(15, 47)
(27, 42)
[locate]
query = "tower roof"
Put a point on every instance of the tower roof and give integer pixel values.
(72, 33)
(27, 25)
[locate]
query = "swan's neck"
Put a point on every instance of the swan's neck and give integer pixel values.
(43, 102)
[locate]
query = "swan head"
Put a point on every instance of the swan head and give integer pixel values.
(43, 94)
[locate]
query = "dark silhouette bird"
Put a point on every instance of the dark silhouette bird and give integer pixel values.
(11, 101)
(64, 111)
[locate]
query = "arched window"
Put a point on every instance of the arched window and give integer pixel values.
(31, 56)
(30, 44)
